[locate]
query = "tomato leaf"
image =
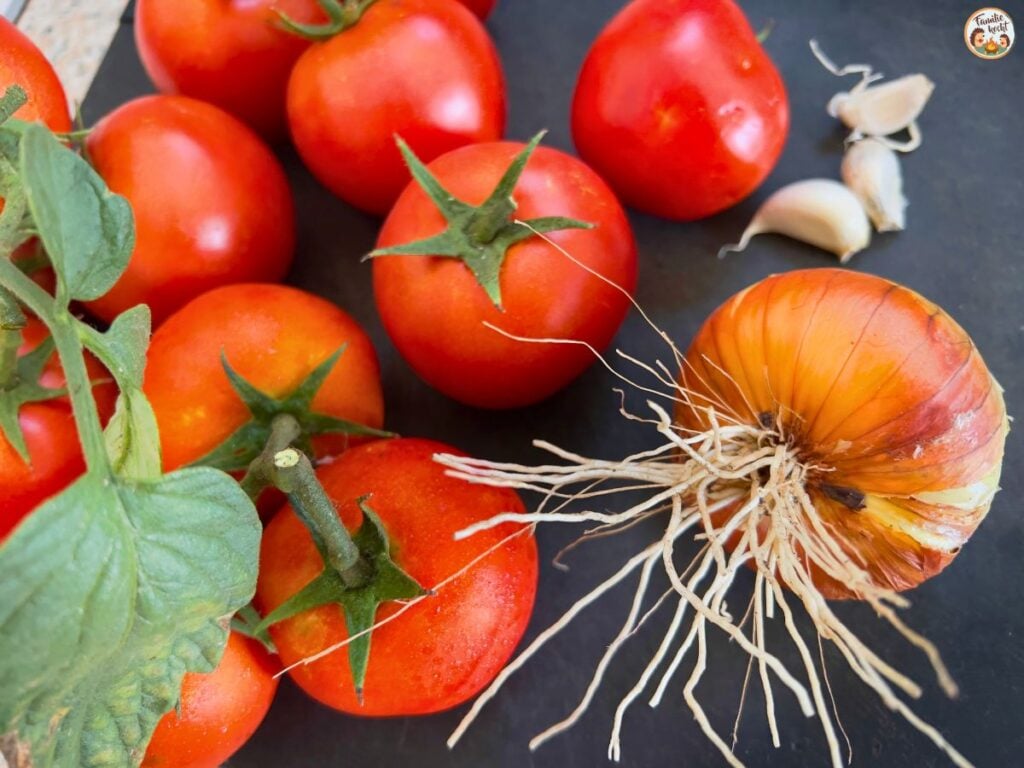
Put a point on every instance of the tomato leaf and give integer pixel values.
(86, 229)
(388, 582)
(25, 388)
(247, 442)
(132, 438)
(479, 235)
(112, 591)
(122, 349)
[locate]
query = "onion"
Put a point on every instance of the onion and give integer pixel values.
(835, 432)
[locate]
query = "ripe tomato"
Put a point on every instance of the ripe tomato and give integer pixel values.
(434, 309)
(212, 205)
(219, 711)
(50, 435)
(481, 8)
(273, 336)
(23, 63)
(679, 107)
(444, 649)
(422, 69)
(232, 54)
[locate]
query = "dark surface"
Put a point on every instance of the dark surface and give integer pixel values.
(962, 249)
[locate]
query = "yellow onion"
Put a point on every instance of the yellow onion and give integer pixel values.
(881, 392)
(834, 432)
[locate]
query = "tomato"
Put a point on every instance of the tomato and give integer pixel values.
(55, 456)
(447, 647)
(481, 8)
(423, 69)
(23, 63)
(434, 309)
(233, 54)
(273, 336)
(218, 711)
(212, 205)
(679, 108)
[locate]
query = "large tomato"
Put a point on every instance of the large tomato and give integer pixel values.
(233, 54)
(273, 336)
(218, 711)
(679, 108)
(212, 205)
(23, 63)
(441, 651)
(434, 309)
(55, 456)
(423, 69)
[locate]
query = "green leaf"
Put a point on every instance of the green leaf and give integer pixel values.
(388, 582)
(122, 349)
(24, 387)
(132, 438)
(87, 230)
(112, 591)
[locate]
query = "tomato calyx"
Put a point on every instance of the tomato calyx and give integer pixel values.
(383, 581)
(341, 15)
(479, 235)
(246, 443)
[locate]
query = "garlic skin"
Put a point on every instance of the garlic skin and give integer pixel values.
(880, 110)
(821, 212)
(872, 172)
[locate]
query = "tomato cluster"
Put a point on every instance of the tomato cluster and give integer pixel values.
(490, 245)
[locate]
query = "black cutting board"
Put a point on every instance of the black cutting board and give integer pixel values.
(962, 249)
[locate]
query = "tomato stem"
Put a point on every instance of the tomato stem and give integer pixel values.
(340, 16)
(290, 471)
(63, 327)
(479, 235)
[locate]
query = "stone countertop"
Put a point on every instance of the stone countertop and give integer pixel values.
(74, 35)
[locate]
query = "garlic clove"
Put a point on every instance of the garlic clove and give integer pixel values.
(879, 110)
(822, 212)
(872, 172)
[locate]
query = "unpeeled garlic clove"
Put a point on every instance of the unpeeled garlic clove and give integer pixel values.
(883, 109)
(822, 212)
(872, 172)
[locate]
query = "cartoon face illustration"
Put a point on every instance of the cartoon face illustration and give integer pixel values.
(978, 39)
(1004, 42)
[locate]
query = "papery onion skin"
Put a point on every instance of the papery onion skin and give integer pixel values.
(880, 388)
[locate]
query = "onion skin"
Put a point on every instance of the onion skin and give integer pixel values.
(882, 390)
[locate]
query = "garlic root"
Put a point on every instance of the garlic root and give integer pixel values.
(822, 212)
(872, 172)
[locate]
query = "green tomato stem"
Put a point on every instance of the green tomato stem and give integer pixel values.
(290, 471)
(62, 326)
(294, 474)
(12, 320)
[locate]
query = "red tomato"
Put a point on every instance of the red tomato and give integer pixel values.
(23, 63)
(219, 711)
(273, 336)
(679, 108)
(446, 648)
(434, 308)
(233, 54)
(423, 69)
(212, 205)
(49, 429)
(481, 8)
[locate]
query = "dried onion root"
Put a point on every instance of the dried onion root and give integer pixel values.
(762, 473)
